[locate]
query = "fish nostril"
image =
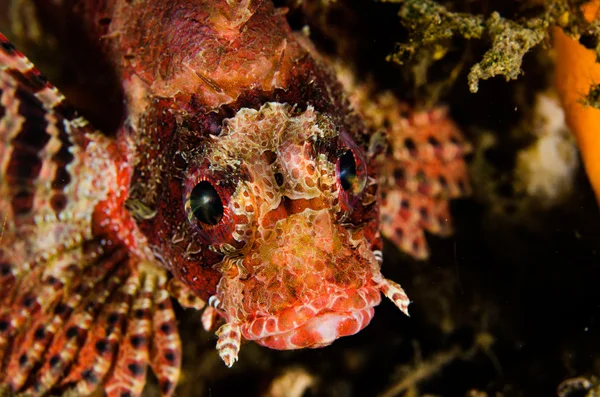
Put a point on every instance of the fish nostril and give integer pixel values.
(279, 178)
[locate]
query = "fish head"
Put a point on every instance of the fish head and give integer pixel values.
(287, 199)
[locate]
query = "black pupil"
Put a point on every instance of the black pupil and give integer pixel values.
(206, 203)
(347, 170)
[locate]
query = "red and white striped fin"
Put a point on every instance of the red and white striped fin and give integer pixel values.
(76, 307)
(435, 179)
(421, 168)
(41, 289)
(54, 168)
(406, 216)
(106, 333)
(99, 353)
(129, 372)
(104, 279)
(165, 351)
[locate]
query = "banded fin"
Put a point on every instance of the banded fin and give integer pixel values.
(78, 308)
(165, 350)
(42, 142)
(107, 334)
(108, 321)
(55, 169)
(128, 374)
(90, 295)
(422, 169)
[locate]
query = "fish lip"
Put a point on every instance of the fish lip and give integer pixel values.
(321, 330)
(306, 325)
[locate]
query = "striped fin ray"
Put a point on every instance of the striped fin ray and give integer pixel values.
(38, 291)
(44, 300)
(435, 179)
(102, 330)
(413, 214)
(82, 330)
(165, 352)
(421, 167)
(28, 304)
(137, 328)
(107, 334)
(54, 168)
(128, 376)
(40, 136)
(90, 295)
(50, 160)
(7, 281)
(77, 309)
(427, 135)
(15, 317)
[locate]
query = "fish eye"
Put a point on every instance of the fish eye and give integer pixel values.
(206, 204)
(347, 171)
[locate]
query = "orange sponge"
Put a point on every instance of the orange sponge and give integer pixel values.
(576, 71)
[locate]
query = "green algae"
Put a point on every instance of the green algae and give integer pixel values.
(431, 24)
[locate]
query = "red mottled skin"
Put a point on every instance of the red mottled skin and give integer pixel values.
(102, 228)
(181, 66)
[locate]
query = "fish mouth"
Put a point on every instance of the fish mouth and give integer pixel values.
(316, 323)
(313, 324)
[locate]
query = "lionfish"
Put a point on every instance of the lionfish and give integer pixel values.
(243, 175)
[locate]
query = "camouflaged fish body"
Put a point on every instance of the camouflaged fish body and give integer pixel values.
(241, 176)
